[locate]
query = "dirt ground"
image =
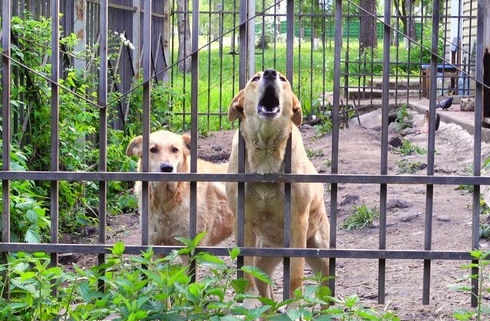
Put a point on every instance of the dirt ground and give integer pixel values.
(359, 153)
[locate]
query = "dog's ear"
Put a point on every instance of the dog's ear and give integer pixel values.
(297, 117)
(186, 139)
(236, 107)
(134, 147)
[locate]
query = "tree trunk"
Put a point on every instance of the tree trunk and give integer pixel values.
(410, 24)
(405, 10)
(367, 33)
(185, 41)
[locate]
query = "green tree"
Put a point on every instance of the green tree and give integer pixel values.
(321, 15)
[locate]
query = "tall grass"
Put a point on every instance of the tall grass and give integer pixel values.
(218, 82)
(218, 76)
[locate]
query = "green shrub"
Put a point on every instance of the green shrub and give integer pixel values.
(482, 311)
(79, 118)
(361, 217)
(141, 288)
(29, 222)
(407, 148)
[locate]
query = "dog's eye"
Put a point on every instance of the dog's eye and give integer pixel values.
(283, 78)
(175, 150)
(153, 150)
(256, 78)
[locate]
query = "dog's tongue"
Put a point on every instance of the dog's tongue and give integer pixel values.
(269, 103)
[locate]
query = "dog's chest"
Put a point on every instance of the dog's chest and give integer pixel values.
(265, 194)
(266, 202)
(265, 211)
(265, 157)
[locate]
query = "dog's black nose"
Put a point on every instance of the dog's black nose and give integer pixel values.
(270, 74)
(166, 168)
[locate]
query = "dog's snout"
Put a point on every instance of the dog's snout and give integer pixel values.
(166, 168)
(270, 74)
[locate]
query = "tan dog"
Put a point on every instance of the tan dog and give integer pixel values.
(269, 113)
(427, 120)
(169, 212)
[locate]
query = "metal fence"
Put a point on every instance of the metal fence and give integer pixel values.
(294, 37)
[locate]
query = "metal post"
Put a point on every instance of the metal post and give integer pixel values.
(55, 74)
(384, 150)
(146, 66)
(335, 138)
(6, 77)
(102, 101)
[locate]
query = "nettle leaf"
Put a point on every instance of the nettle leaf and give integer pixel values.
(239, 285)
(27, 275)
(118, 248)
(87, 292)
(210, 260)
(234, 253)
(257, 273)
(32, 216)
(280, 317)
(29, 287)
(257, 312)
(32, 236)
(25, 205)
(367, 314)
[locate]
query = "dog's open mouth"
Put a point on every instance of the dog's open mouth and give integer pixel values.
(269, 103)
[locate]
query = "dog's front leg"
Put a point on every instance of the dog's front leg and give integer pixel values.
(299, 230)
(249, 241)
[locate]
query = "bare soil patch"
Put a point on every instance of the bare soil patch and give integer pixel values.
(360, 153)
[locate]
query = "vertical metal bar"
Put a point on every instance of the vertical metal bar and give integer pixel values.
(242, 79)
(194, 121)
(221, 60)
(102, 101)
(6, 76)
(384, 149)
(243, 37)
(251, 36)
(146, 66)
(335, 138)
(287, 156)
(55, 74)
(289, 40)
(475, 235)
(430, 155)
(194, 111)
(287, 223)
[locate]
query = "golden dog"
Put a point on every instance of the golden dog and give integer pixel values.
(269, 113)
(168, 215)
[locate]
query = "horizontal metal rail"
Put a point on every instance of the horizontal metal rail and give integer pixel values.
(237, 177)
(245, 251)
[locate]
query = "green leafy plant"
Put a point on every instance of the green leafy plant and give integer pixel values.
(78, 131)
(403, 118)
(407, 148)
(147, 287)
(482, 311)
(409, 166)
(314, 153)
(361, 217)
(31, 281)
(29, 221)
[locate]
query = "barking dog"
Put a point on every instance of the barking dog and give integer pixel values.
(269, 114)
(168, 215)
